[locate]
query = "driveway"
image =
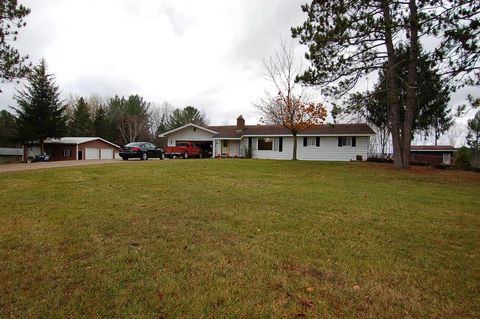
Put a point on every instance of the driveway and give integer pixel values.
(42, 165)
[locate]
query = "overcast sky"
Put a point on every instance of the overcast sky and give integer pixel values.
(203, 53)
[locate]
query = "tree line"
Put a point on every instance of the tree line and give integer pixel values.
(41, 113)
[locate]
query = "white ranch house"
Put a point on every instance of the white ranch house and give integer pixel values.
(327, 142)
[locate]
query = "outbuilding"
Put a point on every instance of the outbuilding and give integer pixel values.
(432, 154)
(10, 155)
(74, 148)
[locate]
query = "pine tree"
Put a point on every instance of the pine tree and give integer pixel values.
(40, 110)
(12, 64)
(102, 125)
(180, 117)
(81, 123)
(7, 129)
(473, 137)
(433, 112)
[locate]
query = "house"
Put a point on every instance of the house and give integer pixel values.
(74, 148)
(432, 154)
(10, 155)
(327, 142)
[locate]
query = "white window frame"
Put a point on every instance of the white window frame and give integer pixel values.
(67, 151)
(347, 140)
(276, 142)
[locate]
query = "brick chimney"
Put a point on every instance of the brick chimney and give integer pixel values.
(240, 123)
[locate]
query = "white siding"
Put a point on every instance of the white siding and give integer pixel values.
(218, 147)
(327, 151)
(286, 154)
(330, 151)
(243, 146)
(188, 134)
(34, 150)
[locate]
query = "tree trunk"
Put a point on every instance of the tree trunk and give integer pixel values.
(411, 84)
(294, 157)
(392, 89)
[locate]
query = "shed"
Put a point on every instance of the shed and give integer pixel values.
(10, 155)
(432, 154)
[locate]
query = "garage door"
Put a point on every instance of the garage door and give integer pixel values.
(91, 153)
(106, 153)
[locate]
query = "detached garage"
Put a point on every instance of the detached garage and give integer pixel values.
(75, 148)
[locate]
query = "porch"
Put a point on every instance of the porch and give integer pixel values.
(229, 148)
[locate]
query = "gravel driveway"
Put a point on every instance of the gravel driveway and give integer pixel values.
(42, 165)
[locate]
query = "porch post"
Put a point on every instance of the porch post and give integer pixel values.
(213, 148)
(76, 152)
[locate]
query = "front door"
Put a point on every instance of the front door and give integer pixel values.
(233, 148)
(225, 145)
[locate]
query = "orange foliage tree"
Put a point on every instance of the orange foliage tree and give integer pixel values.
(289, 107)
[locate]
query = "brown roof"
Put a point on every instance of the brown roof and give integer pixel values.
(432, 148)
(230, 131)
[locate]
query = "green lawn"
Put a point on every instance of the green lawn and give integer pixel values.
(239, 239)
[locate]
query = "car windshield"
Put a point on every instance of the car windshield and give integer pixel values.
(133, 144)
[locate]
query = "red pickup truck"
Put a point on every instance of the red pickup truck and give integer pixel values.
(184, 149)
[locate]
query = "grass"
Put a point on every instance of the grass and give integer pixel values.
(239, 239)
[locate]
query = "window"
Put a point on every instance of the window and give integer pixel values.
(225, 143)
(66, 153)
(265, 144)
(309, 141)
(343, 141)
(194, 129)
(446, 158)
(317, 141)
(347, 141)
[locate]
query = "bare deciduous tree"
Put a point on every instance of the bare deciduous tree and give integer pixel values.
(454, 134)
(289, 107)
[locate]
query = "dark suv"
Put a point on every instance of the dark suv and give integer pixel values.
(141, 150)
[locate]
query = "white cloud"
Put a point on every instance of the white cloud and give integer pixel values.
(202, 53)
